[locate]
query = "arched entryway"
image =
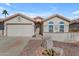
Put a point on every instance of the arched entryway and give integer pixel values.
(39, 24)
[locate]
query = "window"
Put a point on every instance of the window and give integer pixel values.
(50, 26)
(1, 27)
(61, 26)
(50, 22)
(61, 22)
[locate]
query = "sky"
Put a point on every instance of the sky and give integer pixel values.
(69, 10)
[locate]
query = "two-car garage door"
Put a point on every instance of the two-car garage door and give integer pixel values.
(20, 30)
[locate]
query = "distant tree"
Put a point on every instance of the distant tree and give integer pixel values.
(5, 13)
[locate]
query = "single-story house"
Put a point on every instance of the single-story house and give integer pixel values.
(22, 25)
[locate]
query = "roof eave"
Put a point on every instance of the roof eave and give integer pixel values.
(56, 15)
(18, 14)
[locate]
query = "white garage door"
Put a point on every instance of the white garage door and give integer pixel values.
(20, 30)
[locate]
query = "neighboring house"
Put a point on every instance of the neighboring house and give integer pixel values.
(74, 26)
(1, 27)
(17, 25)
(56, 23)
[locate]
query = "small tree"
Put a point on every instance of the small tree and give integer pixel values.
(5, 13)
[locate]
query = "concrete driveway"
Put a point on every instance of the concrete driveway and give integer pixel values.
(12, 46)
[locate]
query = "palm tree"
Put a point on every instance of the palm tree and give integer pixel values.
(5, 13)
(49, 52)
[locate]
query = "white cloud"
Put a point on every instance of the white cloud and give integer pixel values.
(1, 8)
(75, 12)
(25, 13)
(76, 16)
(8, 4)
(31, 14)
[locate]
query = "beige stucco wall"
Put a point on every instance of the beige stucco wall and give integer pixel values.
(17, 20)
(56, 21)
(66, 37)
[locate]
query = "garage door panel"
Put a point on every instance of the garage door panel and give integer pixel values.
(20, 30)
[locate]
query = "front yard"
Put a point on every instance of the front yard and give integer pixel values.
(27, 46)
